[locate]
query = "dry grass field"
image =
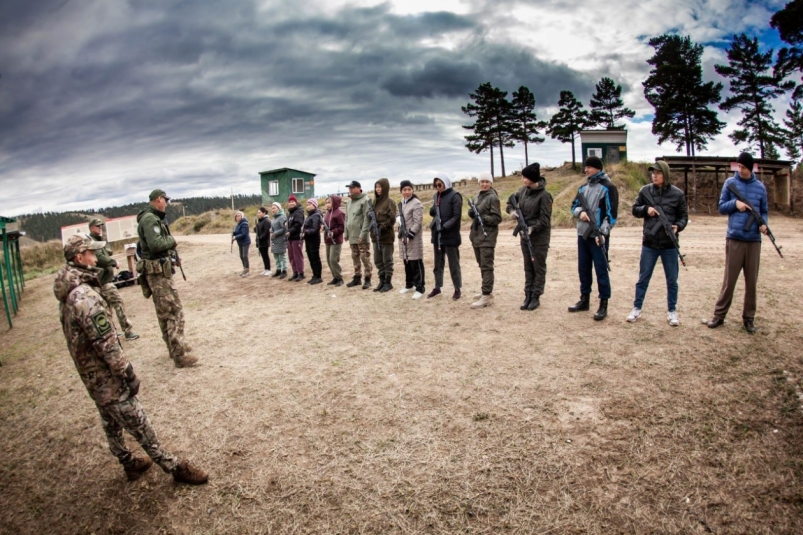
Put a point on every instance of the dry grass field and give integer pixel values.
(320, 410)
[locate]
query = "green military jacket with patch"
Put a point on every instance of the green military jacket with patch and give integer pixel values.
(154, 236)
(106, 263)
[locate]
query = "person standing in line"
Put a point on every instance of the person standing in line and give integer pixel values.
(411, 245)
(278, 233)
(243, 236)
(107, 288)
(743, 243)
(312, 240)
(446, 211)
(335, 219)
(591, 251)
(263, 238)
(356, 234)
(295, 225)
(655, 242)
(483, 237)
(108, 376)
(535, 204)
(385, 211)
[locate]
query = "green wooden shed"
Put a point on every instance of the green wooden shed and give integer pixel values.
(279, 184)
(608, 145)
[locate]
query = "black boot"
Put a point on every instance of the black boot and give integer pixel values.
(535, 302)
(332, 282)
(749, 325)
(301, 277)
(387, 286)
(581, 305)
(356, 281)
(283, 274)
(293, 278)
(527, 297)
(602, 311)
(380, 284)
(367, 284)
(338, 282)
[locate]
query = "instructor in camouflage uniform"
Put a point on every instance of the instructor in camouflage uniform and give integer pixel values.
(107, 288)
(107, 375)
(157, 269)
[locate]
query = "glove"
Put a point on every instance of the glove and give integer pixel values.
(410, 234)
(472, 214)
(131, 379)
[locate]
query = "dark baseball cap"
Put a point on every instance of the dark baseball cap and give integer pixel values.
(155, 194)
(95, 222)
(353, 184)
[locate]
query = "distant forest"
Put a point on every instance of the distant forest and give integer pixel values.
(47, 225)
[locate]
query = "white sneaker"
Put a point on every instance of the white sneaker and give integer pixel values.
(266, 273)
(672, 318)
(418, 295)
(406, 290)
(634, 315)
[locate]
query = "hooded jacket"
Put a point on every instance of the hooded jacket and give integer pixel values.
(263, 232)
(295, 223)
(336, 220)
(155, 240)
(412, 211)
(242, 233)
(536, 205)
(106, 263)
(672, 203)
(90, 334)
(385, 210)
(279, 233)
(755, 193)
(596, 194)
(488, 206)
(356, 219)
(450, 204)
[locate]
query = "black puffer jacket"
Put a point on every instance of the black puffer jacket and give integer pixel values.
(263, 232)
(451, 207)
(295, 222)
(672, 202)
(536, 205)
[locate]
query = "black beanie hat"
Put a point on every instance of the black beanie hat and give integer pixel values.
(532, 172)
(593, 161)
(405, 183)
(746, 160)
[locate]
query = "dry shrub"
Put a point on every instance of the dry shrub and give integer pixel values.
(41, 258)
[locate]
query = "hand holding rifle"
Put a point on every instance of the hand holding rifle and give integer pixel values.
(587, 215)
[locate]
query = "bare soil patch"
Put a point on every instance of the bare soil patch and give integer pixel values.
(320, 410)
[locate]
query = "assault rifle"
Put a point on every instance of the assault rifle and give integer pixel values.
(176, 260)
(477, 216)
(326, 228)
(438, 221)
(754, 215)
(593, 228)
(521, 225)
(667, 226)
(403, 231)
(374, 225)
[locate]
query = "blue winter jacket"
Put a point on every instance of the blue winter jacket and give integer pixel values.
(756, 194)
(597, 195)
(241, 232)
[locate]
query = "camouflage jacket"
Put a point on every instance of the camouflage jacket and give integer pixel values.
(91, 337)
(154, 235)
(105, 262)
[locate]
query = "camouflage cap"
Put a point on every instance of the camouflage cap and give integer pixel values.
(155, 194)
(95, 222)
(78, 243)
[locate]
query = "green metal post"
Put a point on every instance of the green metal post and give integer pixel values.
(5, 298)
(19, 263)
(9, 273)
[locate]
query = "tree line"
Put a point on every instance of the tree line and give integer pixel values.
(683, 101)
(47, 225)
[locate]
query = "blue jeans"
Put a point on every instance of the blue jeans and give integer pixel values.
(591, 256)
(669, 259)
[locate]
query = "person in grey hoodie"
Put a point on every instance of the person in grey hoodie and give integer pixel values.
(356, 234)
(278, 243)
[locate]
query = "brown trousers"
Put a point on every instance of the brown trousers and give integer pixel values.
(739, 255)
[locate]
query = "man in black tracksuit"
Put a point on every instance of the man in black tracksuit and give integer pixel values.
(446, 241)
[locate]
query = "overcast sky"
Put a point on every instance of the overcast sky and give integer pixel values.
(100, 102)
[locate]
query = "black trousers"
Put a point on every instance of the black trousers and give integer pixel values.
(244, 254)
(452, 253)
(263, 252)
(414, 275)
(534, 272)
(313, 246)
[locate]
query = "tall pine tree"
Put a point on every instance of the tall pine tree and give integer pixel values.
(607, 105)
(567, 123)
(789, 23)
(793, 135)
(493, 125)
(526, 125)
(681, 100)
(753, 85)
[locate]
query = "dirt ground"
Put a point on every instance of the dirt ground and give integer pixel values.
(320, 410)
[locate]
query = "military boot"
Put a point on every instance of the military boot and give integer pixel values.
(602, 311)
(367, 284)
(535, 302)
(186, 361)
(246, 272)
(356, 281)
(136, 467)
(387, 286)
(185, 472)
(338, 282)
(527, 297)
(381, 283)
(582, 305)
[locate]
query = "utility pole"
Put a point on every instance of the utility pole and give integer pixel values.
(232, 199)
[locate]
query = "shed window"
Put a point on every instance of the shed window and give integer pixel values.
(273, 188)
(595, 152)
(298, 185)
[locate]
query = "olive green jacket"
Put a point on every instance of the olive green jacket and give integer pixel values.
(154, 235)
(106, 263)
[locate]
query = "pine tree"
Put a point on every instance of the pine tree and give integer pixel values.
(526, 123)
(793, 135)
(789, 23)
(607, 105)
(752, 87)
(681, 100)
(494, 120)
(567, 123)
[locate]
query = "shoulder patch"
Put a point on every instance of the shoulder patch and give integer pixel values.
(157, 229)
(101, 323)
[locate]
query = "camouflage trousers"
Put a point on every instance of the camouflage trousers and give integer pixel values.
(130, 416)
(361, 258)
(169, 312)
(112, 297)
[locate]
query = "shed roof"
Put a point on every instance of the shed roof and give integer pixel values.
(603, 136)
(285, 169)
